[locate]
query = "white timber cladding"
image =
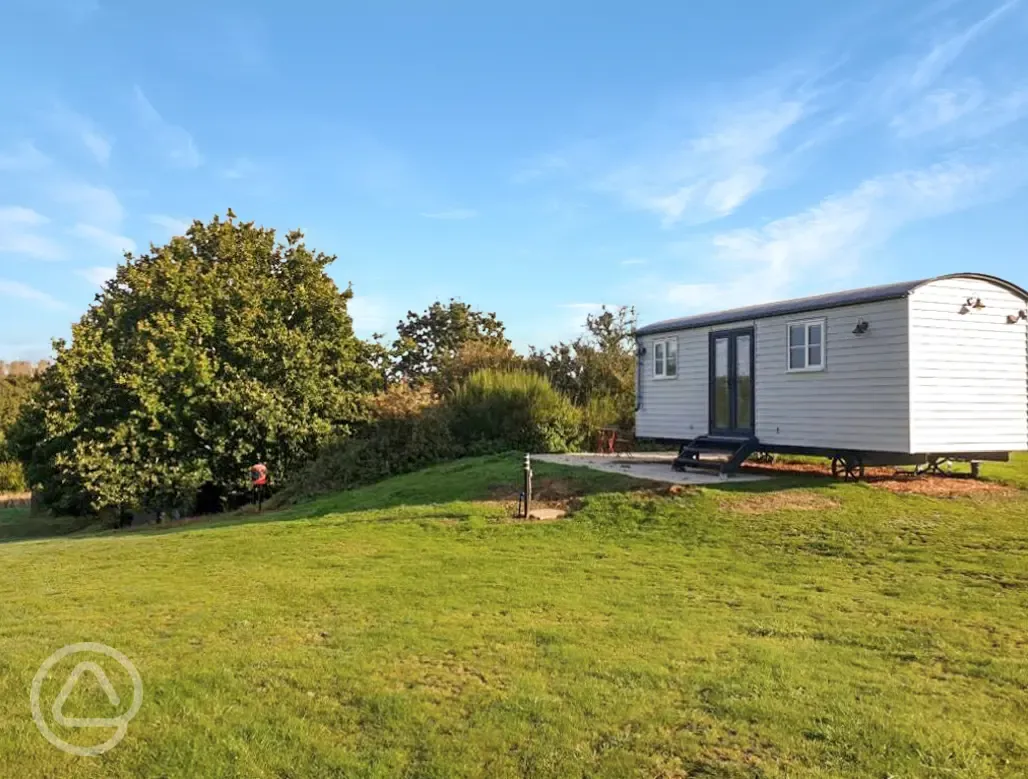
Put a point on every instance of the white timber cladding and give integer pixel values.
(969, 371)
(860, 400)
(675, 408)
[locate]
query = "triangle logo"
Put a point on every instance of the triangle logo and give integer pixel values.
(69, 686)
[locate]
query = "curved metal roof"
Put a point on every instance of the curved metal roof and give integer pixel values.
(831, 300)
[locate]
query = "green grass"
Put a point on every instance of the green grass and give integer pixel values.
(792, 628)
(1014, 473)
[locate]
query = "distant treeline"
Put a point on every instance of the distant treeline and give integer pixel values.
(22, 367)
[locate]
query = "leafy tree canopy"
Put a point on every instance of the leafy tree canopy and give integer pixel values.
(428, 344)
(599, 363)
(220, 348)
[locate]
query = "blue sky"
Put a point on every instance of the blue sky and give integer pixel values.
(533, 158)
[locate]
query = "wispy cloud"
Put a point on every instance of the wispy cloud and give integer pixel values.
(946, 51)
(98, 275)
(710, 175)
(451, 214)
(19, 234)
(938, 109)
(24, 156)
(634, 261)
(169, 224)
(16, 289)
(84, 130)
(694, 167)
(925, 94)
(175, 142)
(768, 262)
(89, 204)
(959, 112)
(104, 240)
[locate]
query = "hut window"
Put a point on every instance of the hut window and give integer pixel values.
(665, 358)
(806, 345)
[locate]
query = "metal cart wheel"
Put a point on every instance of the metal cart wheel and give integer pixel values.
(848, 466)
(938, 466)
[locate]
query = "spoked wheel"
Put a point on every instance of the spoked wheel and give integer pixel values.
(849, 467)
(763, 458)
(939, 466)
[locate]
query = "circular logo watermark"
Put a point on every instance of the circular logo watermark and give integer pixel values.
(120, 723)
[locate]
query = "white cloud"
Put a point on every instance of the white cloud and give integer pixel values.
(834, 236)
(98, 275)
(90, 204)
(15, 289)
(19, 234)
(104, 239)
(843, 224)
(634, 261)
(451, 214)
(945, 52)
(98, 146)
(176, 143)
(938, 109)
(85, 130)
(711, 174)
(23, 157)
(169, 224)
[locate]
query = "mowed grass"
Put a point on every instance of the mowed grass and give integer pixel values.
(799, 628)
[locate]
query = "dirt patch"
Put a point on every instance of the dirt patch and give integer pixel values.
(548, 493)
(786, 500)
(899, 481)
(10, 500)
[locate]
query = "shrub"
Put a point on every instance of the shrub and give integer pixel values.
(407, 436)
(498, 411)
(12, 478)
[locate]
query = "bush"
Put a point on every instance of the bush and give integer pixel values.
(493, 411)
(12, 478)
(498, 411)
(397, 442)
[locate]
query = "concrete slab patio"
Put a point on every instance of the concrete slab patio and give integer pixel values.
(655, 466)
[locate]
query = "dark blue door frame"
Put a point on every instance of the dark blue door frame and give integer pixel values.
(731, 337)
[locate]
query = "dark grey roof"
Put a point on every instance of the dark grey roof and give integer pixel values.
(814, 303)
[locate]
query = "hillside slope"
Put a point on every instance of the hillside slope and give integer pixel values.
(792, 628)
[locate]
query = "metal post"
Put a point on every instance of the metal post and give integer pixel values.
(528, 485)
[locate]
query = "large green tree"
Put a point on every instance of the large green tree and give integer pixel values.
(432, 347)
(220, 348)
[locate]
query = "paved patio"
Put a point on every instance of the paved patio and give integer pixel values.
(655, 466)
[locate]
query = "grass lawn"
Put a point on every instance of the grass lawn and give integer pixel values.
(800, 628)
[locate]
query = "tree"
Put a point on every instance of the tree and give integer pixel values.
(221, 348)
(14, 392)
(428, 344)
(596, 370)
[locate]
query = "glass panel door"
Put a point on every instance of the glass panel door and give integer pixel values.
(743, 383)
(731, 383)
(722, 391)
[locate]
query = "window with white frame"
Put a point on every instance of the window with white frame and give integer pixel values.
(665, 358)
(807, 345)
